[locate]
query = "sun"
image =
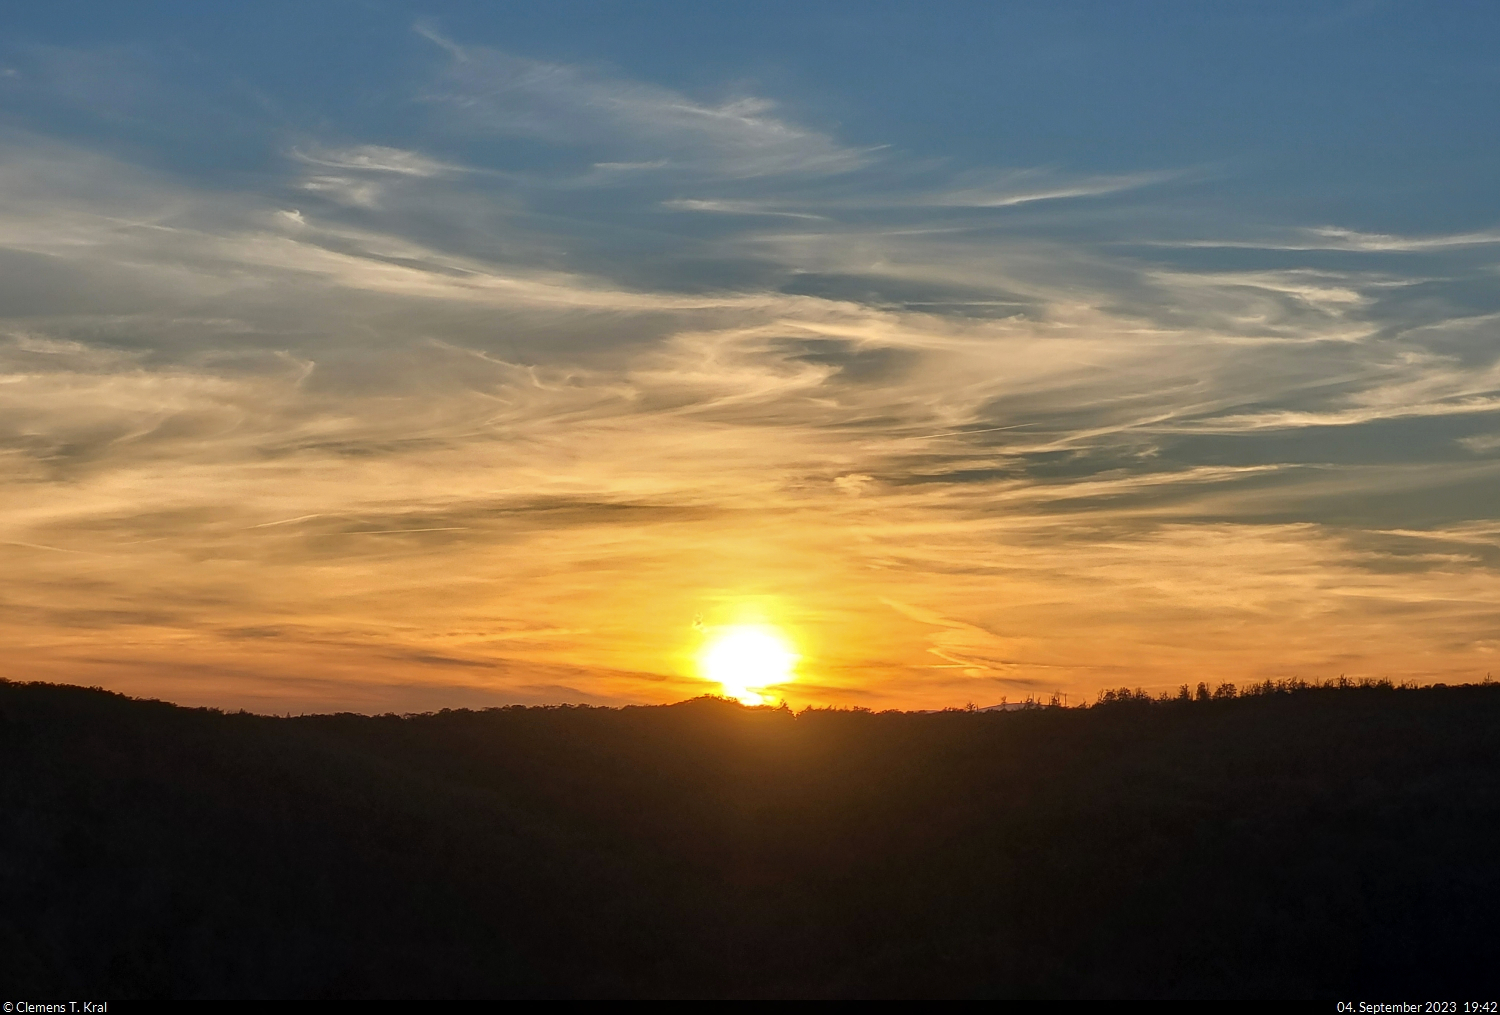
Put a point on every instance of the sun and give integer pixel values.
(745, 659)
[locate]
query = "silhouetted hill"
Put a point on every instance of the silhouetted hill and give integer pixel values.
(1327, 842)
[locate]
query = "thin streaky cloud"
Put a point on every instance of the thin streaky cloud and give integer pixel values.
(376, 158)
(1336, 238)
(1002, 196)
(735, 208)
(1005, 193)
(740, 138)
(961, 433)
(1354, 240)
(432, 35)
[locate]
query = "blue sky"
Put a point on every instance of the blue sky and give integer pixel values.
(368, 354)
(1366, 110)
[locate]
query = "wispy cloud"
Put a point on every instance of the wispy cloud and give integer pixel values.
(641, 124)
(375, 159)
(735, 208)
(1006, 190)
(1033, 185)
(1349, 239)
(1337, 238)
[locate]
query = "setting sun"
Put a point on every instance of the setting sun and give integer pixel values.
(747, 659)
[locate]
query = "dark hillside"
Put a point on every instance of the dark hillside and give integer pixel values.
(1317, 843)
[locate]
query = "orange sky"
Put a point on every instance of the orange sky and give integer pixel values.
(462, 530)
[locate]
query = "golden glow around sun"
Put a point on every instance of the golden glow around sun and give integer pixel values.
(746, 660)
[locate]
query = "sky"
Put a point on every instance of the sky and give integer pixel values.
(390, 357)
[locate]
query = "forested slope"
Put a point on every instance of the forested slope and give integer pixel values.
(1316, 843)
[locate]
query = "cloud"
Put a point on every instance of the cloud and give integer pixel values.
(626, 167)
(1481, 443)
(1338, 238)
(375, 159)
(357, 193)
(1349, 239)
(642, 125)
(1032, 186)
(365, 172)
(735, 208)
(1006, 190)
